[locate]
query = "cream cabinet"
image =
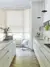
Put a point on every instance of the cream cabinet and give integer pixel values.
(6, 60)
(47, 14)
(1, 63)
(7, 54)
(42, 54)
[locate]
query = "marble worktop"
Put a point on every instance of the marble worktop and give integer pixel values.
(3, 44)
(42, 41)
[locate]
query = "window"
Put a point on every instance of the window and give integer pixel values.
(18, 21)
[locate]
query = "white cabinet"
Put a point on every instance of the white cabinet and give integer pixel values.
(7, 54)
(6, 60)
(47, 7)
(1, 63)
(42, 54)
(44, 59)
(12, 51)
(37, 52)
(41, 57)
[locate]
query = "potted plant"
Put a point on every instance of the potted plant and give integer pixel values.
(47, 27)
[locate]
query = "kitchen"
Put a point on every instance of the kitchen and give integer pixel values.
(24, 33)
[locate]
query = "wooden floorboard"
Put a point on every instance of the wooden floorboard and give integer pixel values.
(24, 58)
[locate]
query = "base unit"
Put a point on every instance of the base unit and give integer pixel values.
(41, 54)
(7, 54)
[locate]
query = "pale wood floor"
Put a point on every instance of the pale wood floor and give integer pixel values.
(25, 58)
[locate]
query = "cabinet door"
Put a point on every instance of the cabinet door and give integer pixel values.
(44, 58)
(38, 52)
(12, 50)
(1, 63)
(10, 57)
(6, 60)
(10, 53)
(41, 58)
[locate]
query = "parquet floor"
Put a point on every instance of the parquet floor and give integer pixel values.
(25, 58)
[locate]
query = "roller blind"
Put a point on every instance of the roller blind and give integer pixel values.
(15, 20)
(18, 21)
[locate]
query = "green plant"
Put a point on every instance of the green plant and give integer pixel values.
(47, 27)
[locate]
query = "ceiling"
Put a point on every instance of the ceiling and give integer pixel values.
(15, 4)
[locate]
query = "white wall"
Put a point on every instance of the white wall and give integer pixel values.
(36, 12)
(47, 14)
(2, 18)
(47, 17)
(2, 23)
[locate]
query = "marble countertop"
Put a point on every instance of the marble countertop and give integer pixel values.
(3, 44)
(42, 42)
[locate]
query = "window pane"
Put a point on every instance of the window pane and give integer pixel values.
(27, 36)
(17, 36)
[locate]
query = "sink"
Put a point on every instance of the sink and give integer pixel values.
(48, 45)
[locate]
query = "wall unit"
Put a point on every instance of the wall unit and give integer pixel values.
(36, 12)
(7, 54)
(47, 14)
(42, 53)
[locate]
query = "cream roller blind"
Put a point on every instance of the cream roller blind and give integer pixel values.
(15, 20)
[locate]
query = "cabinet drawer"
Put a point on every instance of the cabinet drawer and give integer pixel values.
(3, 52)
(39, 59)
(1, 63)
(46, 53)
(6, 60)
(43, 58)
(7, 54)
